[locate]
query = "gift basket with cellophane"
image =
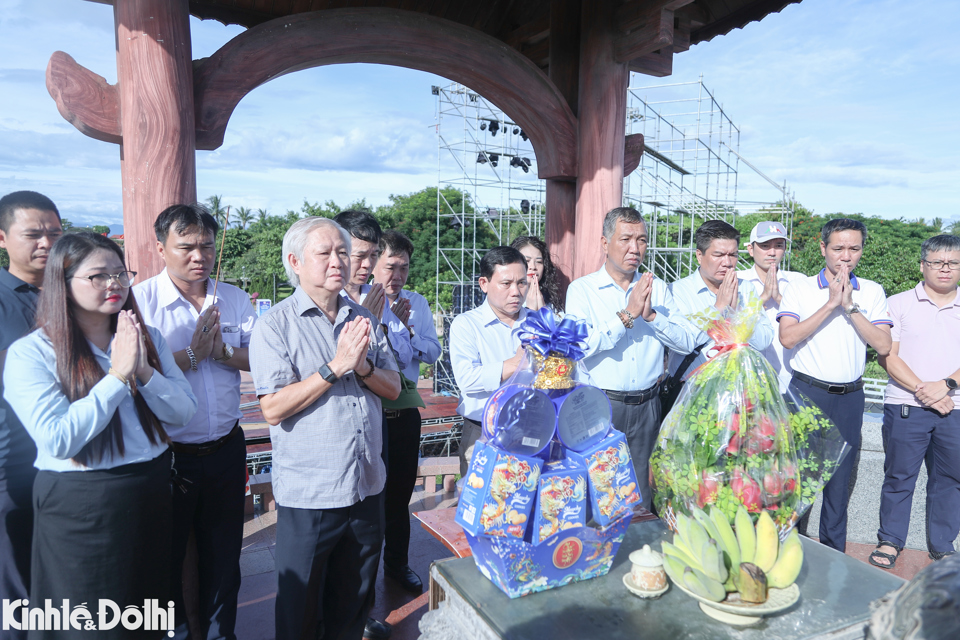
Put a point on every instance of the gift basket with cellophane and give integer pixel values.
(551, 487)
(732, 439)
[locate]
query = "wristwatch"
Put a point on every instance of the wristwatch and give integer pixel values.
(852, 309)
(951, 383)
(227, 353)
(327, 374)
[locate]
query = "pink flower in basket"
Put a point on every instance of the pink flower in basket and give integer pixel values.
(746, 490)
(709, 487)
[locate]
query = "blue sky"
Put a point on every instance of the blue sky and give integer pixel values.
(853, 103)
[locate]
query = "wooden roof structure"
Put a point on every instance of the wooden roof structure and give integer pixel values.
(522, 24)
(558, 68)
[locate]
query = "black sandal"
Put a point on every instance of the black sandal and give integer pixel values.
(940, 555)
(891, 558)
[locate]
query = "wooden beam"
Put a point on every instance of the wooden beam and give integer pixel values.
(84, 99)
(393, 37)
(632, 152)
(531, 32)
(658, 64)
(635, 13)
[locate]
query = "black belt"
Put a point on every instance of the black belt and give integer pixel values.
(633, 397)
(205, 448)
(390, 414)
(831, 387)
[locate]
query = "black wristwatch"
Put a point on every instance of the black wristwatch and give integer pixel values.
(327, 374)
(951, 383)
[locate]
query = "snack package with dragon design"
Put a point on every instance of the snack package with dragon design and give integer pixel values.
(497, 497)
(519, 568)
(611, 477)
(561, 501)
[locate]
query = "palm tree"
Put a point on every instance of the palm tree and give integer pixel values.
(244, 217)
(262, 215)
(217, 210)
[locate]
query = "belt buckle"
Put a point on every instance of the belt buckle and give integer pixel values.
(632, 399)
(837, 389)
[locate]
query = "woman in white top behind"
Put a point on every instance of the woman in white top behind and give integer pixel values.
(93, 386)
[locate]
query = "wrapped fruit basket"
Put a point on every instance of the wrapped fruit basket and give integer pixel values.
(732, 439)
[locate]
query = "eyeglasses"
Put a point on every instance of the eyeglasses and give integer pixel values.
(101, 281)
(936, 265)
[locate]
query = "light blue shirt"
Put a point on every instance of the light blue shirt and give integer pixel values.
(692, 295)
(62, 428)
(479, 344)
(396, 331)
(424, 345)
(621, 359)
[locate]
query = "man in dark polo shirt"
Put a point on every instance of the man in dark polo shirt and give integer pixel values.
(29, 225)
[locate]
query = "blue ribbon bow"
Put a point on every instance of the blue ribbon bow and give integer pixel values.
(541, 332)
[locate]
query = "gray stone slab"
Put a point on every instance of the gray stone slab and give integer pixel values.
(863, 515)
(255, 562)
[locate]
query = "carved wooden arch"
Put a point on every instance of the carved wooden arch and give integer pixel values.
(392, 37)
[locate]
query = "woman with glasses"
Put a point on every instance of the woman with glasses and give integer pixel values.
(94, 387)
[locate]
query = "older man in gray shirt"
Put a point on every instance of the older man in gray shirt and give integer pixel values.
(320, 363)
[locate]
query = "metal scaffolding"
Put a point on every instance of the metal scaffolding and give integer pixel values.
(487, 158)
(690, 172)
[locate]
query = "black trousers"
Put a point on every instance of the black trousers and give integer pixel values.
(16, 534)
(326, 569)
(641, 424)
(403, 444)
(210, 504)
(102, 535)
(846, 411)
(470, 434)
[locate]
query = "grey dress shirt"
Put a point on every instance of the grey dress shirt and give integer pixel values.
(328, 455)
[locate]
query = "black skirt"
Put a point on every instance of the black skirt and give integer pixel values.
(102, 535)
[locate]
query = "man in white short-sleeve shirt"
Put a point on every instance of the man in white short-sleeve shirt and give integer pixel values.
(828, 320)
(209, 339)
(768, 244)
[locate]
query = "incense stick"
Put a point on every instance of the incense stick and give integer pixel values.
(223, 239)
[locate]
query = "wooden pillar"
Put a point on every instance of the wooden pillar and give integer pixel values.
(564, 73)
(158, 152)
(602, 115)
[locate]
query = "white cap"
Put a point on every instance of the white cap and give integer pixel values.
(768, 231)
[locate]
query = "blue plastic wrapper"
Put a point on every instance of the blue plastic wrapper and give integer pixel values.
(583, 416)
(519, 419)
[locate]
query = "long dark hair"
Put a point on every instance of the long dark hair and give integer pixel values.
(77, 367)
(548, 284)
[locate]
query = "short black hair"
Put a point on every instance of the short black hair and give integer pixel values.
(10, 203)
(842, 224)
(360, 225)
(397, 243)
(500, 256)
(943, 242)
(184, 216)
(714, 230)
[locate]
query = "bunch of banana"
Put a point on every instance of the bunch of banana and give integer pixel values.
(710, 558)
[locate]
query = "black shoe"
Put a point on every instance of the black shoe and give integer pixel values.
(405, 576)
(376, 630)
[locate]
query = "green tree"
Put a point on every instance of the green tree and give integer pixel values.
(102, 229)
(244, 217)
(262, 215)
(217, 209)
